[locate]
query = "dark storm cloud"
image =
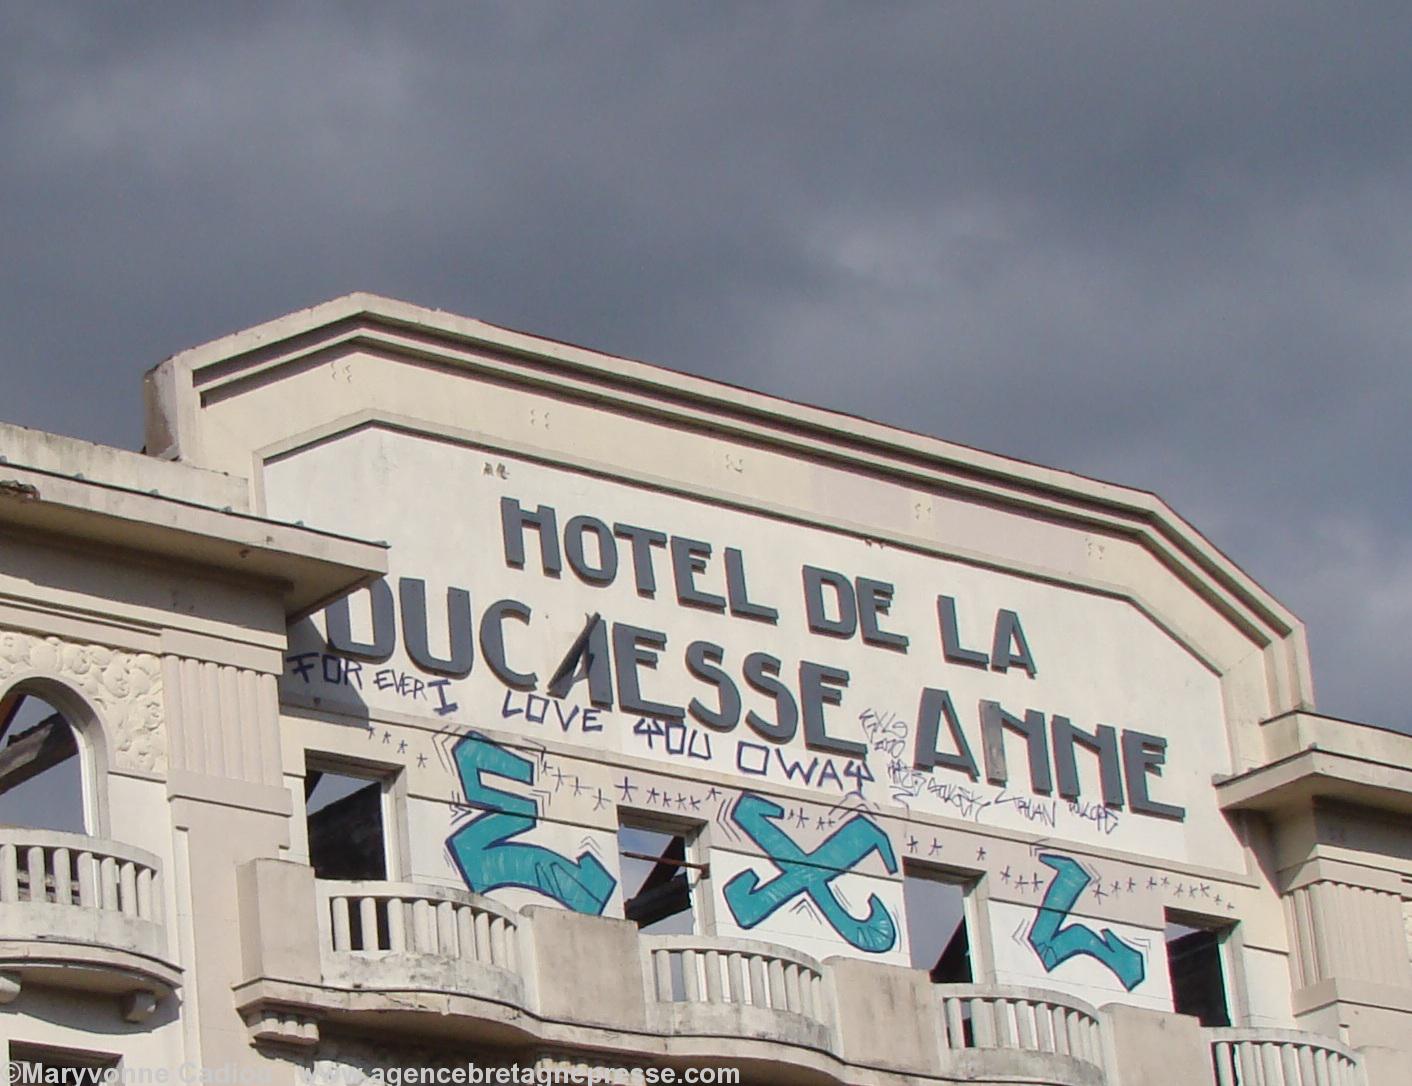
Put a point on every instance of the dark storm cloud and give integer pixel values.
(1168, 245)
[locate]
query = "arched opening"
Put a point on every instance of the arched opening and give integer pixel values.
(41, 766)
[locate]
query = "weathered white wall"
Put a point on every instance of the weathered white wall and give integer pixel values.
(90, 1024)
(1099, 660)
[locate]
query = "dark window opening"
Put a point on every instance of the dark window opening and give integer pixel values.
(1198, 978)
(41, 774)
(936, 928)
(657, 879)
(347, 839)
(34, 1063)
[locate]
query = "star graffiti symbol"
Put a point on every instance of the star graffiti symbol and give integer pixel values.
(1218, 899)
(936, 847)
(402, 747)
(666, 800)
(681, 801)
(1151, 882)
(911, 844)
(652, 795)
(578, 787)
(1098, 891)
(1117, 887)
(421, 760)
(696, 803)
(1166, 881)
(801, 818)
(600, 801)
(713, 794)
(627, 789)
(1005, 875)
(1205, 889)
(387, 737)
(1132, 885)
(980, 853)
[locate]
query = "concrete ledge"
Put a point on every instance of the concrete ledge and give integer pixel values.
(87, 967)
(307, 567)
(182, 784)
(1300, 778)
(1361, 993)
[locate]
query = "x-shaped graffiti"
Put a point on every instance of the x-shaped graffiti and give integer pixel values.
(811, 873)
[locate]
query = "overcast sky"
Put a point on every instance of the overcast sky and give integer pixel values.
(1168, 245)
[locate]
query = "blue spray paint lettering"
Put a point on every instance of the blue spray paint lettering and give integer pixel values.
(483, 851)
(445, 706)
(1056, 943)
(811, 873)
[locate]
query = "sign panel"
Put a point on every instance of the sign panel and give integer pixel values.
(905, 695)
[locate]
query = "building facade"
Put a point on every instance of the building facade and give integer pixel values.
(432, 695)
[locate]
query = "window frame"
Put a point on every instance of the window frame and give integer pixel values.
(1230, 945)
(89, 737)
(975, 911)
(392, 800)
(694, 831)
(33, 1050)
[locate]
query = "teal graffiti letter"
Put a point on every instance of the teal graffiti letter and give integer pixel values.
(811, 873)
(1056, 944)
(482, 849)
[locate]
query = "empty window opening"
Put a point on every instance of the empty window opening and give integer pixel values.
(658, 876)
(936, 927)
(347, 835)
(1194, 953)
(41, 773)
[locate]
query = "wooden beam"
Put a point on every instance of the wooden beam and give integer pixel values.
(9, 705)
(31, 752)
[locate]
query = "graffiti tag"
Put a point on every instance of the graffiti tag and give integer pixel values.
(483, 850)
(811, 873)
(1056, 942)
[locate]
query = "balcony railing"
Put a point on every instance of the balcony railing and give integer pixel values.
(83, 912)
(371, 917)
(1280, 1057)
(433, 962)
(702, 969)
(1027, 1019)
(409, 935)
(41, 867)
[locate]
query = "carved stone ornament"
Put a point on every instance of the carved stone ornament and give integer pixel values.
(124, 689)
